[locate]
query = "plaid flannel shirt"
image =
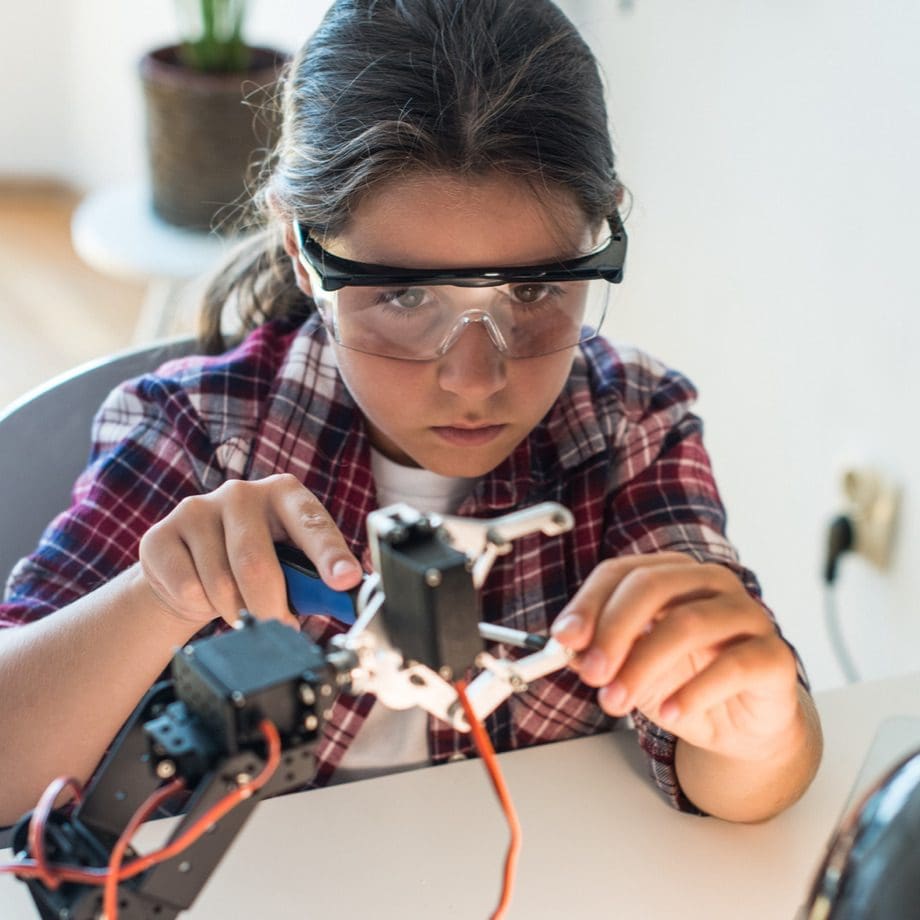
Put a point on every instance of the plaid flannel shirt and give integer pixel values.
(620, 448)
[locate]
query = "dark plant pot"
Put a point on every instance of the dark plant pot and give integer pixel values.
(206, 133)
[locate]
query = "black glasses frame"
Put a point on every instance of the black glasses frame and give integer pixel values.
(335, 272)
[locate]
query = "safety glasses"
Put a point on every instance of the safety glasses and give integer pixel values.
(418, 314)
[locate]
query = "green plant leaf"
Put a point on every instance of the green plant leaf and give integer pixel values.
(211, 34)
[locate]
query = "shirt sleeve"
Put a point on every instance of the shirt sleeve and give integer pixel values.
(663, 497)
(150, 449)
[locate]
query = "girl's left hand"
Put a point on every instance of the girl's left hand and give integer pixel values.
(685, 644)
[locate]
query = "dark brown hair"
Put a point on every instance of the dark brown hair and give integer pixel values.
(388, 87)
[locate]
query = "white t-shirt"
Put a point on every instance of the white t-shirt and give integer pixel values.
(393, 740)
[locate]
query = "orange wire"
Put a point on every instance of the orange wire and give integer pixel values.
(215, 812)
(53, 875)
(149, 806)
(487, 753)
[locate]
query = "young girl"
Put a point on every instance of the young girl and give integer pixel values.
(400, 346)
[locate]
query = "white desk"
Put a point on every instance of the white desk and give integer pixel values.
(115, 231)
(598, 841)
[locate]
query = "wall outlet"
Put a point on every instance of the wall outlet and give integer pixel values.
(872, 506)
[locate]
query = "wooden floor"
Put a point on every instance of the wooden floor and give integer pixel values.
(55, 312)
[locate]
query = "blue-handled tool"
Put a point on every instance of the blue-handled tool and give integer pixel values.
(308, 593)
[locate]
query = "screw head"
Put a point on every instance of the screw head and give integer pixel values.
(432, 578)
(166, 769)
(517, 684)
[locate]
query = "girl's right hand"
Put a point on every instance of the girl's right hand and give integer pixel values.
(213, 555)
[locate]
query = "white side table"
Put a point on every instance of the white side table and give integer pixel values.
(115, 231)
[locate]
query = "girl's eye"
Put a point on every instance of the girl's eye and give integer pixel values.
(533, 293)
(406, 298)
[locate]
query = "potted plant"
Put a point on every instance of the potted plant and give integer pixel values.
(209, 113)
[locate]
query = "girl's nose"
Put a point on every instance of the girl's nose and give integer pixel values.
(472, 367)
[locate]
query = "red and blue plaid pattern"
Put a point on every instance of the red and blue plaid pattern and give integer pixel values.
(620, 448)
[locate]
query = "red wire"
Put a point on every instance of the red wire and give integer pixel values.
(487, 753)
(28, 868)
(54, 875)
(37, 826)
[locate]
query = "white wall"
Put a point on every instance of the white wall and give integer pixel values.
(70, 99)
(772, 149)
(32, 105)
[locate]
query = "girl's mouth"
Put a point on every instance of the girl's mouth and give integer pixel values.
(468, 437)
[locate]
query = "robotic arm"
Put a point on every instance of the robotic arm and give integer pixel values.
(242, 715)
(431, 568)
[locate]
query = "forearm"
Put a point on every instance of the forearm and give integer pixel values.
(69, 681)
(760, 787)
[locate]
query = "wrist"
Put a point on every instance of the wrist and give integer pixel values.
(166, 621)
(760, 780)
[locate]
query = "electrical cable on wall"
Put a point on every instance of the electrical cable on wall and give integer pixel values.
(840, 540)
(865, 527)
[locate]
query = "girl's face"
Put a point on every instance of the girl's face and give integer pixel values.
(465, 412)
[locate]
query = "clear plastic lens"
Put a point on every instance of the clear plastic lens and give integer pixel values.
(523, 319)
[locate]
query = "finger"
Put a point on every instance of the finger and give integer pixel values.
(758, 668)
(641, 600)
(574, 627)
(615, 699)
(171, 573)
(251, 560)
(217, 579)
(310, 526)
(203, 538)
(683, 642)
